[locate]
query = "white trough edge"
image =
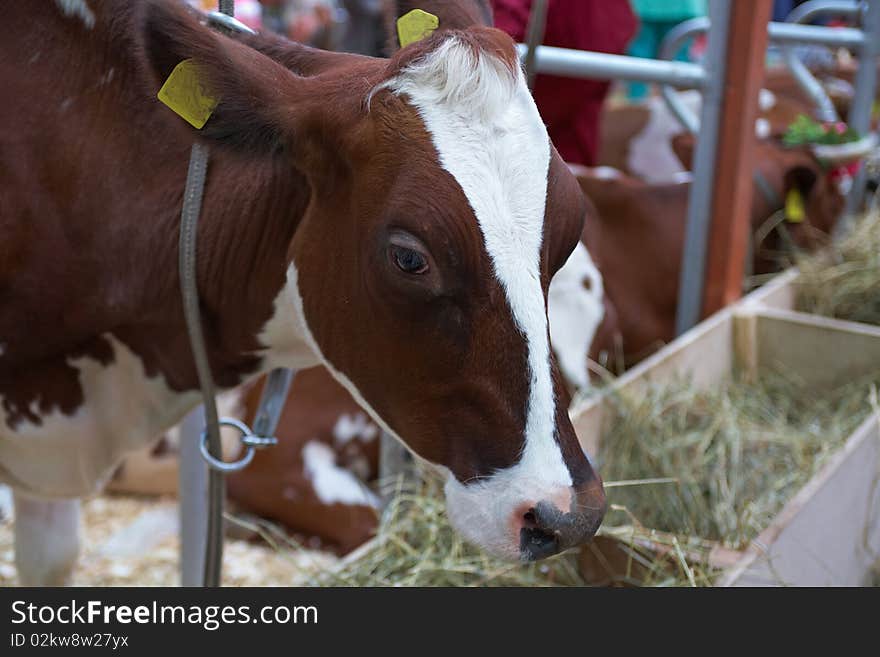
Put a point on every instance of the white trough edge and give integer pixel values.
(774, 299)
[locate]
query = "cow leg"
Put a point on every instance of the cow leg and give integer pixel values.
(46, 540)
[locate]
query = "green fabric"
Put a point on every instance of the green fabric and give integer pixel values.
(668, 10)
(656, 18)
(646, 44)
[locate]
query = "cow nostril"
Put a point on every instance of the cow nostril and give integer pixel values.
(546, 529)
(536, 543)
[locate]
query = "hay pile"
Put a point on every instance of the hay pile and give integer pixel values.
(133, 541)
(682, 468)
(732, 455)
(416, 546)
(843, 281)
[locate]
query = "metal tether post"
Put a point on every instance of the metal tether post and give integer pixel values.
(216, 481)
(189, 219)
(209, 446)
(192, 204)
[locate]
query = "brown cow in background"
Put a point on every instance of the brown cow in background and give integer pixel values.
(315, 481)
(639, 239)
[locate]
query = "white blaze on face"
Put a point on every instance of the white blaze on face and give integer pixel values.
(490, 138)
(575, 308)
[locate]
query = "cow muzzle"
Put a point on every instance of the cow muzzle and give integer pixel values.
(551, 526)
(522, 519)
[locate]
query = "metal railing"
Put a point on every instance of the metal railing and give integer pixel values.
(783, 33)
(709, 79)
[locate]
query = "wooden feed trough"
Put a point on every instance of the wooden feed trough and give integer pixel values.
(828, 533)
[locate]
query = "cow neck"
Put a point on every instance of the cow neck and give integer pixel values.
(247, 224)
(249, 215)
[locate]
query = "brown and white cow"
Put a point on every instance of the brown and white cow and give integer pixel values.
(398, 221)
(317, 482)
(639, 237)
(578, 309)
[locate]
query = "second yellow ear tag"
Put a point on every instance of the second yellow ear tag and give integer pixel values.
(794, 206)
(415, 26)
(185, 93)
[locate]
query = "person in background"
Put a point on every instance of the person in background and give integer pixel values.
(570, 107)
(656, 18)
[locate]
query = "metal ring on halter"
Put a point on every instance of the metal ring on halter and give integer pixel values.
(216, 18)
(248, 439)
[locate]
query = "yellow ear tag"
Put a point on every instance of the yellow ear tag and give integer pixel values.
(185, 94)
(415, 26)
(794, 206)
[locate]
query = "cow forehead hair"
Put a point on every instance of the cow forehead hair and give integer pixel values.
(476, 74)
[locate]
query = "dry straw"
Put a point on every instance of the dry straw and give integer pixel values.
(684, 468)
(416, 546)
(843, 281)
(737, 452)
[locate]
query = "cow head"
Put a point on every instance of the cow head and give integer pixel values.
(784, 169)
(438, 212)
(797, 170)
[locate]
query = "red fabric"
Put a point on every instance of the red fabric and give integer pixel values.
(570, 107)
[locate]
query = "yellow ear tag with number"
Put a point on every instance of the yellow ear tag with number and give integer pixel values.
(794, 206)
(415, 26)
(185, 94)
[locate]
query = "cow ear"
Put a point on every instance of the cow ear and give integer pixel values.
(567, 209)
(260, 104)
(457, 15)
(683, 146)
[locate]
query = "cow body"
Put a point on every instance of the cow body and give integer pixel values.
(95, 348)
(640, 229)
(412, 192)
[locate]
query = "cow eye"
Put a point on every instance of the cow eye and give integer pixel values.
(409, 260)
